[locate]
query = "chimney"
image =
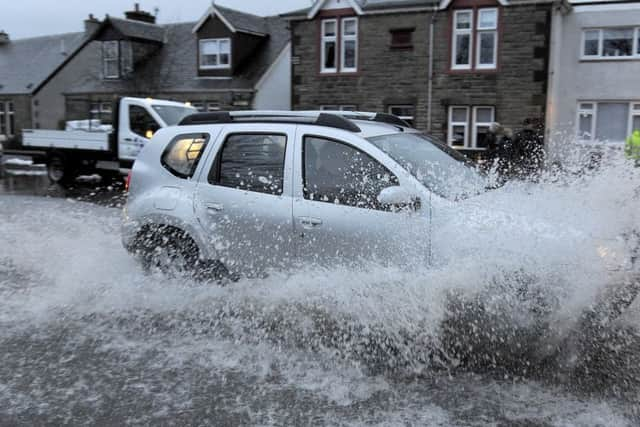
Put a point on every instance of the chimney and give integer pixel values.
(91, 24)
(140, 15)
(4, 37)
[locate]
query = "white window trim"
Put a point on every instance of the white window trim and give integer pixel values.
(217, 42)
(476, 124)
(323, 40)
(116, 59)
(343, 39)
(454, 44)
(587, 111)
(599, 56)
(451, 125)
(480, 31)
(594, 116)
(6, 113)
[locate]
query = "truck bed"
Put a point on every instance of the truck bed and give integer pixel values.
(66, 139)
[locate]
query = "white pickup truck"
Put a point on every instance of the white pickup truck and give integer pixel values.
(69, 153)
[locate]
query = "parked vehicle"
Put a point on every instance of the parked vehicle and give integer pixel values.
(69, 153)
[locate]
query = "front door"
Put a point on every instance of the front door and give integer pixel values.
(338, 219)
(244, 200)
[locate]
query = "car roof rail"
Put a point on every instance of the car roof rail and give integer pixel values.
(318, 118)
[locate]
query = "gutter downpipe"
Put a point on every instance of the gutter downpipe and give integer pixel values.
(430, 71)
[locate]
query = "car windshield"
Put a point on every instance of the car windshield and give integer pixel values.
(439, 168)
(173, 114)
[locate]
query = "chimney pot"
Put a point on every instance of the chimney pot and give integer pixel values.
(139, 15)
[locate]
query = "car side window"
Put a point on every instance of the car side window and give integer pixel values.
(252, 162)
(183, 153)
(335, 172)
(141, 122)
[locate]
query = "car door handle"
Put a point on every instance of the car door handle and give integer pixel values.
(214, 207)
(309, 222)
(128, 139)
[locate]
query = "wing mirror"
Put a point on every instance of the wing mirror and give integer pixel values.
(399, 198)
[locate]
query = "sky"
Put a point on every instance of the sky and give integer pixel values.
(30, 18)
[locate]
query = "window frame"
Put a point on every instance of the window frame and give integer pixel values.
(478, 32)
(454, 38)
(633, 111)
(217, 42)
(115, 59)
(635, 44)
(324, 40)
(7, 118)
(216, 167)
(475, 124)
(337, 141)
(339, 39)
(345, 38)
(148, 113)
(169, 147)
(451, 124)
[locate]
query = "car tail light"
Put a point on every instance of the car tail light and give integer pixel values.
(127, 183)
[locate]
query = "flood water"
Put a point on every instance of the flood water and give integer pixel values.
(86, 338)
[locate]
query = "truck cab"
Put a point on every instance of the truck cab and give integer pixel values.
(94, 149)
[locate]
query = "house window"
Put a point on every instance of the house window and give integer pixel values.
(405, 112)
(198, 105)
(7, 120)
(349, 45)
(329, 46)
(487, 39)
(611, 43)
(110, 59)
(607, 121)
(468, 126)
(117, 59)
(402, 38)
(462, 34)
(215, 54)
(213, 106)
(339, 45)
(479, 26)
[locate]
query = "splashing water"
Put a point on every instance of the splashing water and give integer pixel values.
(508, 326)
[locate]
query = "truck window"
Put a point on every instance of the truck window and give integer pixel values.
(141, 122)
(183, 153)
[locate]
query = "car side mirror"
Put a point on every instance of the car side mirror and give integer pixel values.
(399, 198)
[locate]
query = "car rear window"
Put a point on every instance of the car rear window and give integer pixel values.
(183, 153)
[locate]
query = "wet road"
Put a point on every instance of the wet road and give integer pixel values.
(87, 339)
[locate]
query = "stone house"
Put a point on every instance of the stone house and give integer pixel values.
(449, 67)
(226, 60)
(594, 91)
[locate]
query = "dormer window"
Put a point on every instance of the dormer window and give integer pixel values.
(215, 54)
(117, 59)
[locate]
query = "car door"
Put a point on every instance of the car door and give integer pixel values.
(337, 216)
(244, 199)
(136, 127)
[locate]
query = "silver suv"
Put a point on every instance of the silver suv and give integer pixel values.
(248, 191)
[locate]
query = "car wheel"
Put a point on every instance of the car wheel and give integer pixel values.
(59, 170)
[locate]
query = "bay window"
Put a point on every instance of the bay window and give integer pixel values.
(474, 30)
(468, 126)
(339, 45)
(611, 43)
(610, 121)
(215, 54)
